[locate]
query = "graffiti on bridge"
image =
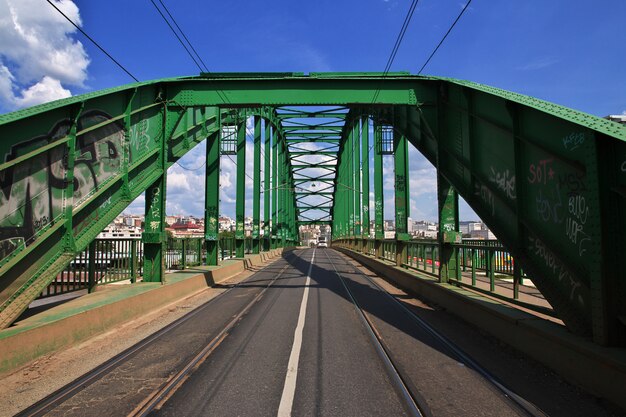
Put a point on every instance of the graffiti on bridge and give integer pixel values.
(33, 193)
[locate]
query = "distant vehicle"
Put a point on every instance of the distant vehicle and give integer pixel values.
(321, 242)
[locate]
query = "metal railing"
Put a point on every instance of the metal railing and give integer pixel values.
(183, 253)
(389, 250)
(486, 255)
(483, 265)
(116, 260)
(105, 261)
(423, 255)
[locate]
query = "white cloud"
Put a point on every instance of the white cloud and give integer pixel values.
(537, 64)
(177, 181)
(38, 53)
(47, 89)
(6, 86)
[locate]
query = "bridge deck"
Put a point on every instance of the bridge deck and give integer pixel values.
(250, 337)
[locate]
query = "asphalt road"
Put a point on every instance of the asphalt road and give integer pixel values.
(338, 373)
(290, 340)
(338, 370)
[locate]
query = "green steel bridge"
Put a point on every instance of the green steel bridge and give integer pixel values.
(548, 180)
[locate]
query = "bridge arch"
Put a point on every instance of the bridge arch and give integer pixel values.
(550, 181)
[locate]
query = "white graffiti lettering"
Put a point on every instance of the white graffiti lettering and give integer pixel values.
(574, 227)
(558, 269)
(573, 141)
(549, 208)
(505, 182)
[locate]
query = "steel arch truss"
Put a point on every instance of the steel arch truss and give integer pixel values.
(549, 181)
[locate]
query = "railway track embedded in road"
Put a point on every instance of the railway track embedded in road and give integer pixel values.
(415, 405)
(158, 396)
(414, 399)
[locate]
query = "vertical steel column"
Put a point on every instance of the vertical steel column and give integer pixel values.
(349, 146)
(292, 211)
(345, 184)
(401, 165)
(288, 191)
(134, 264)
(365, 188)
(266, 188)
(448, 201)
(256, 188)
(274, 230)
(280, 189)
(91, 271)
(379, 205)
(335, 203)
(283, 194)
(336, 200)
(212, 193)
(154, 234)
(343, 187)
(240, 203)
(356, 140)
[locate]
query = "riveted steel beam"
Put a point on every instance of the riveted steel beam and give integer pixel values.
(240, 203)
(256, 187)
(267, 191)
(212, 194)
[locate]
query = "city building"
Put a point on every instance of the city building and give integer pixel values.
(618, 118)
(467, 227)
(186, 228)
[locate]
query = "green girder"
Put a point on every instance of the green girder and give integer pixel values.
(549, 181)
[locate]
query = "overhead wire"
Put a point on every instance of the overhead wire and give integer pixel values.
(396, 46)
(176, 35)
(191, 169)
(444, 37)
(93, 41)
(220, 93)
(206, 69)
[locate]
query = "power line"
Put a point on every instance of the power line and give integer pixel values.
(176, 34)
(220, 93)
(231, 160)
(190, 169)
(93, 41)
(184, 36)
(444, 37)
(396, 46)
(405, 25)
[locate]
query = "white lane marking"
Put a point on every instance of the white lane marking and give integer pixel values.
(289, 390)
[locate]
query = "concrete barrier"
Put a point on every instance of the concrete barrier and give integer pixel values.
(599, 370)
(87, 316)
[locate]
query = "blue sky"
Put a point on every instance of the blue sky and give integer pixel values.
(569, 52)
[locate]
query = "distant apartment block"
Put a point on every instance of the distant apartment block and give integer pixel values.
(618, 118)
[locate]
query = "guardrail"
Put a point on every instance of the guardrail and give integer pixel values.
(114, 260)
(423, 255)
(483, 265)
